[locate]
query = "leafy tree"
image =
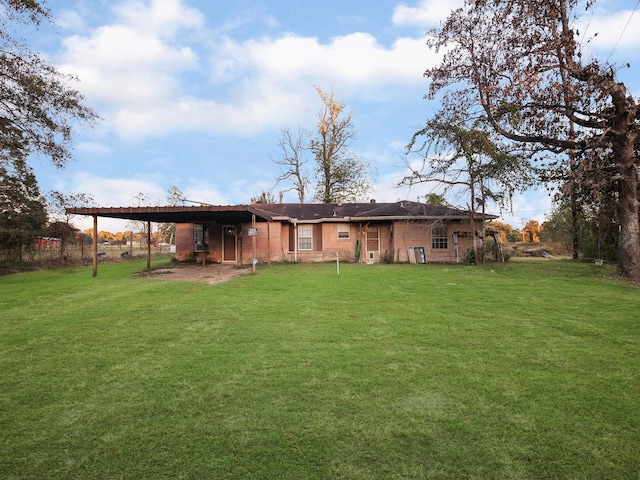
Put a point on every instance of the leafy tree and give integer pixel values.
(519, 65)
(435, 199)
(292, 160)
(38, 107)
(531, 231)
(264, 197)
(595, 229)
(37, 113)
(457, 157)
(22, 207)
(58, 203)
(119, 238)
(64, 231)
(341, 175)
(507, 232)
(591, 188)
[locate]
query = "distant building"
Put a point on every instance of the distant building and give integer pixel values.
(47, 242)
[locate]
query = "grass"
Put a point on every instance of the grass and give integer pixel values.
(523, 370)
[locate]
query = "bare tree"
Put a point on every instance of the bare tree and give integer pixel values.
(175, 197)
(519, 64)
(341, 175)
(292, 160)
(139, 199)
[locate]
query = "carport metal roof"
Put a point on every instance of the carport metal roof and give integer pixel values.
(182, 214)
(280, 211)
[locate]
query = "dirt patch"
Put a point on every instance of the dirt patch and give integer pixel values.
(214, 273)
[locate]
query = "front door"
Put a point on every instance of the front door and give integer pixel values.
(229, 243)
(372, 244)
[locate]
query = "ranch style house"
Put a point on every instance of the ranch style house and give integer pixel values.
(402, 231)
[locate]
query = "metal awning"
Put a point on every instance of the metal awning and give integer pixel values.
(182, 214)
(201, 214)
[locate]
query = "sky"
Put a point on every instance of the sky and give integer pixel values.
(194, 94)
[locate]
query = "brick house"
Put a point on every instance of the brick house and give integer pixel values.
(285, 232)
(368, 232)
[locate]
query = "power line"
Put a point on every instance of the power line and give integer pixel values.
(623, 30)
(532, 211)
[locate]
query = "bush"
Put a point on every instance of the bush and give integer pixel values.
(493, 254)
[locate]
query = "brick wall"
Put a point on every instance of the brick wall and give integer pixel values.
(272, 242)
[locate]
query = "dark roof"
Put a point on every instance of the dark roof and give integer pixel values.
(301, 212)
(307, 212)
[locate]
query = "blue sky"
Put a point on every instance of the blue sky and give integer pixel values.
(194, 94)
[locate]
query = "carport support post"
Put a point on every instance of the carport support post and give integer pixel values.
(253, 241)
(148, 245)
(95, 245)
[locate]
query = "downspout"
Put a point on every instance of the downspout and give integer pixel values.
(295, 243)
(269, 243)
(391, 242)
(455, 245)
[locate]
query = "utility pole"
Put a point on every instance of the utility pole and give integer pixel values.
(522, 228)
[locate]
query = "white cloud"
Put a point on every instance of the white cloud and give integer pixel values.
(605, 30)
(163, 18)
(109, 192)
(71, 20)
(351, 61)
(427, 13)
(119, 64)
(93, 148)
(199, 190)
(114, 191)
(138, 73)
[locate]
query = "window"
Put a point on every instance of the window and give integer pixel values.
(305, 237)
(344, 232)
(200, 238)
(439, 238)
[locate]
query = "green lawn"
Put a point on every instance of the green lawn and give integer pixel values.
(515, 371)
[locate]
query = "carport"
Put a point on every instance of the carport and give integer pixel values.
(194, 214)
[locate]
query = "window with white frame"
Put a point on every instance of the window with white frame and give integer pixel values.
(344, 232)
(439, 237)
(305, 237)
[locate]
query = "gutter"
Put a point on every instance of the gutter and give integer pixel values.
(369, 219)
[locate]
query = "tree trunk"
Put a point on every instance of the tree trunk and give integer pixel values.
(574, 222)
(476, 260)
(623, 144)
(629, 235)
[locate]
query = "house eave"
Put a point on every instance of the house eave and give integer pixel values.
(433, 218)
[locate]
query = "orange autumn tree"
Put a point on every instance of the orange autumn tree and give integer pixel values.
(531, 231)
